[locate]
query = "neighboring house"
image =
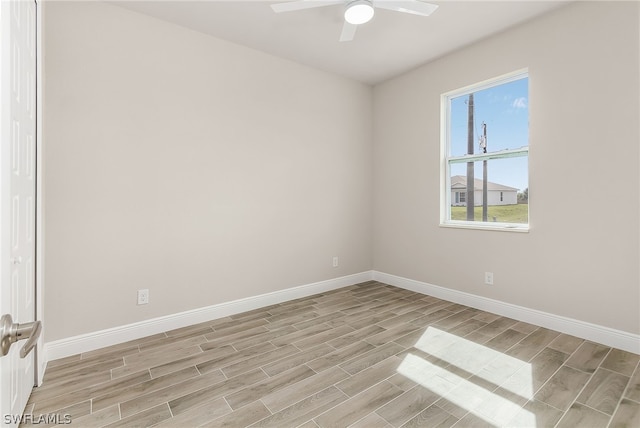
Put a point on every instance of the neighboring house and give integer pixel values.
(497, 194)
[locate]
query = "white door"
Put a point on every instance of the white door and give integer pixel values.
(17, 203)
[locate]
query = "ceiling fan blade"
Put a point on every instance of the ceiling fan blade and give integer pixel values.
(414, 7)
(348, 32)
(303, 4)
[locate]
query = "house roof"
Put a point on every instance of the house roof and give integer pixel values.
(460, 182)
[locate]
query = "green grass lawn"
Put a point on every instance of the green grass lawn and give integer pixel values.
(503, 213)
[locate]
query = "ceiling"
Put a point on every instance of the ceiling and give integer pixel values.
(390, 44)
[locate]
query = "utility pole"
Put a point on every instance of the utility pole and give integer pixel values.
(483, 146)
(470, 172)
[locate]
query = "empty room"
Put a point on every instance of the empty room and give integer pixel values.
(338, 213)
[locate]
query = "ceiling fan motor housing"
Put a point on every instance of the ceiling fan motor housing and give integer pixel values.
(359, 12)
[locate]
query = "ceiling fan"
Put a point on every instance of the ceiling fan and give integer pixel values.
(358, 12)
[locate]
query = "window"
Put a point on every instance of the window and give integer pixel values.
(460, 198)
(485, 155)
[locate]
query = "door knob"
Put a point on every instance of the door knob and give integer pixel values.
(16, 260)
(11, 332)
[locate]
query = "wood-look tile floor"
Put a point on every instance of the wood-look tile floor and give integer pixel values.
(368, 355)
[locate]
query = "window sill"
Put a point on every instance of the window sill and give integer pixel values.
(499, 227)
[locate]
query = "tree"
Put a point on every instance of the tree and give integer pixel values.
(470, 174)
(523, 197)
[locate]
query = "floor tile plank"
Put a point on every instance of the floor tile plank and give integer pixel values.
(212, 392)
(432, 417)
(528, 347)
(268, 386)
(259, 360)
(120, 395)
(633, 390)
(588, 357)
(604, 390)
(407, 406)
(241, 418)
(367, 378)
(563, 388)
(163, 395)
(627, 415)
(371, 358)
(566, 343)
(144, 419)
(197, 416)
(580, 415)
(357, 407)
(536, 414)
(340, 356)
(280, 399)
(92, 392)
(201, 358)
(99, 419)
(303, 411)
(218, 361)
(621, 362)
(296, 359)
(372, 420)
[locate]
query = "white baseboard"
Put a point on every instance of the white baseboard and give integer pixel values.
(607, 336)
(96, 340)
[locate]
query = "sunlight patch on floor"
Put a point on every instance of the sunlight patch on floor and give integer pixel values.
(491, 385)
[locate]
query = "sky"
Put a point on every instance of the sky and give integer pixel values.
(505, 110)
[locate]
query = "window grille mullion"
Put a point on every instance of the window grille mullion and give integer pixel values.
(504, 154)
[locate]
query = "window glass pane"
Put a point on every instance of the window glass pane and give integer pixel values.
(505, 111)
(507, 190)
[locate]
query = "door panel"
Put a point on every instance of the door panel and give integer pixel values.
(17, 193)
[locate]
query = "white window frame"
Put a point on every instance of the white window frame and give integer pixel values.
(446, 159)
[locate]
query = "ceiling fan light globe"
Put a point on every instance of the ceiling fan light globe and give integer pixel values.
(359, 12)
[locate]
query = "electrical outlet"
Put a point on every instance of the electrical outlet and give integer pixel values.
(488, 278)
(143, 296)
(335, 262)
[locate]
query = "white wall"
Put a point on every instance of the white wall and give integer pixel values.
(202, 170)
(578, 260)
